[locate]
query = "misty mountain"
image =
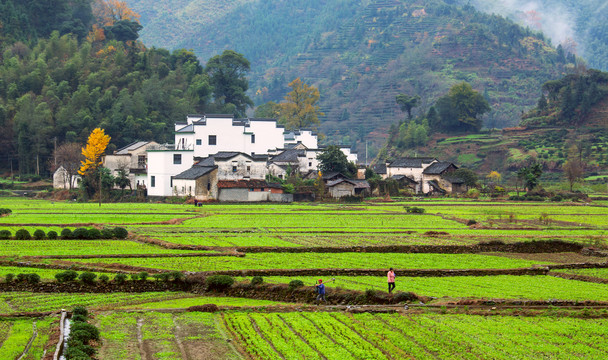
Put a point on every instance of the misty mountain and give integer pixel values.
(362, 53)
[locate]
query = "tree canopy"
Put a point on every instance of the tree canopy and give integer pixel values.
(332, 159)
(300, 109)
(407, 103)
(92, 152)
(227, 75)
(460, 109)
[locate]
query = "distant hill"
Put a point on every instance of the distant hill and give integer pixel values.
(580, 26)
(572, 111)
(361, 54)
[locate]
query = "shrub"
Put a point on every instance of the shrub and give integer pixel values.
(79, 318)
(9, 277)
(176, 275)
(80, 233)
(39, 234)
(404, 297)
(471, 222)
(21, 277)
(557, 198)
(87, 277)
(294, 284)
(143, 276)
(104, 278)
(93, 234)
(75, 353)
(4, 211)
(80, 335)
(120, 278)
(66, 234)
(370, 294)
(80, 310)
(68, 275)
(134, 277)
(120, 233)
(52, 235)
(22, 234)
(5, 234)
(473, 193)
(414, 210)
(107, 233)
(257, 280)
(219, 282)
(33, 278)
(87, 328)
(161, 277)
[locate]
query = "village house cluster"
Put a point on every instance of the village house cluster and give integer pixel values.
(219, 157)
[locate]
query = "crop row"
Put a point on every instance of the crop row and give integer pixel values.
(198, 334)
(80, 218)
(344, 221)
(15, 335)
(80, 247)
(351, 260)
(41, 302)
(495, 287)
(365, 336)
(601, 273)
(185, 302)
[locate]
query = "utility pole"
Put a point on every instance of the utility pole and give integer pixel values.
(99, 169)
(365, 152)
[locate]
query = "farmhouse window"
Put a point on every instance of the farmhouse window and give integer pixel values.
(141, 161)
(152, 181)
(208, 186)
(253, 138)
(212, 139)
(177, 159)
(199, 142)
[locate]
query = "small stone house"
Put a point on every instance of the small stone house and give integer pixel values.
(437, 179)
(199, 181)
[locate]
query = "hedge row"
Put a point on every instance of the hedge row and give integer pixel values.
(4, 211)
(67, 234)
(81, 334)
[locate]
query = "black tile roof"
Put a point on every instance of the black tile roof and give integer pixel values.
(411, 162)
(380, 168)
(290, 156)
(195, 172)
(439, 168)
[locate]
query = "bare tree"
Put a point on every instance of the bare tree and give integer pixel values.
(573, 169)
(68, 156)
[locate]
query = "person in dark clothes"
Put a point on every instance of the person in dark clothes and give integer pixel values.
(320, 291)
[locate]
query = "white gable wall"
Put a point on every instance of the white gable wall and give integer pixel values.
(162, 168)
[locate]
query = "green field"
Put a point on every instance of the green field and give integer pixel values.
(352, 260)
(153, 325)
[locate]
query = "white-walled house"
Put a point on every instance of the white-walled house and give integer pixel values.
(425, 174)
(164, 162)
(240, 149)
(61, 179)
(134, 159)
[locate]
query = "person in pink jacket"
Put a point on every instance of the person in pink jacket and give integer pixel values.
(390, 276)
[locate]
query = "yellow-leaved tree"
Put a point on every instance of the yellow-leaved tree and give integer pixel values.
(96, 146)
(300, 109)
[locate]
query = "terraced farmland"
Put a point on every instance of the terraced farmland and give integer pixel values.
(449, 282)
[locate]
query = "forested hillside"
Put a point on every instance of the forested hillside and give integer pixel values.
(361, 54)
(56, 89)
